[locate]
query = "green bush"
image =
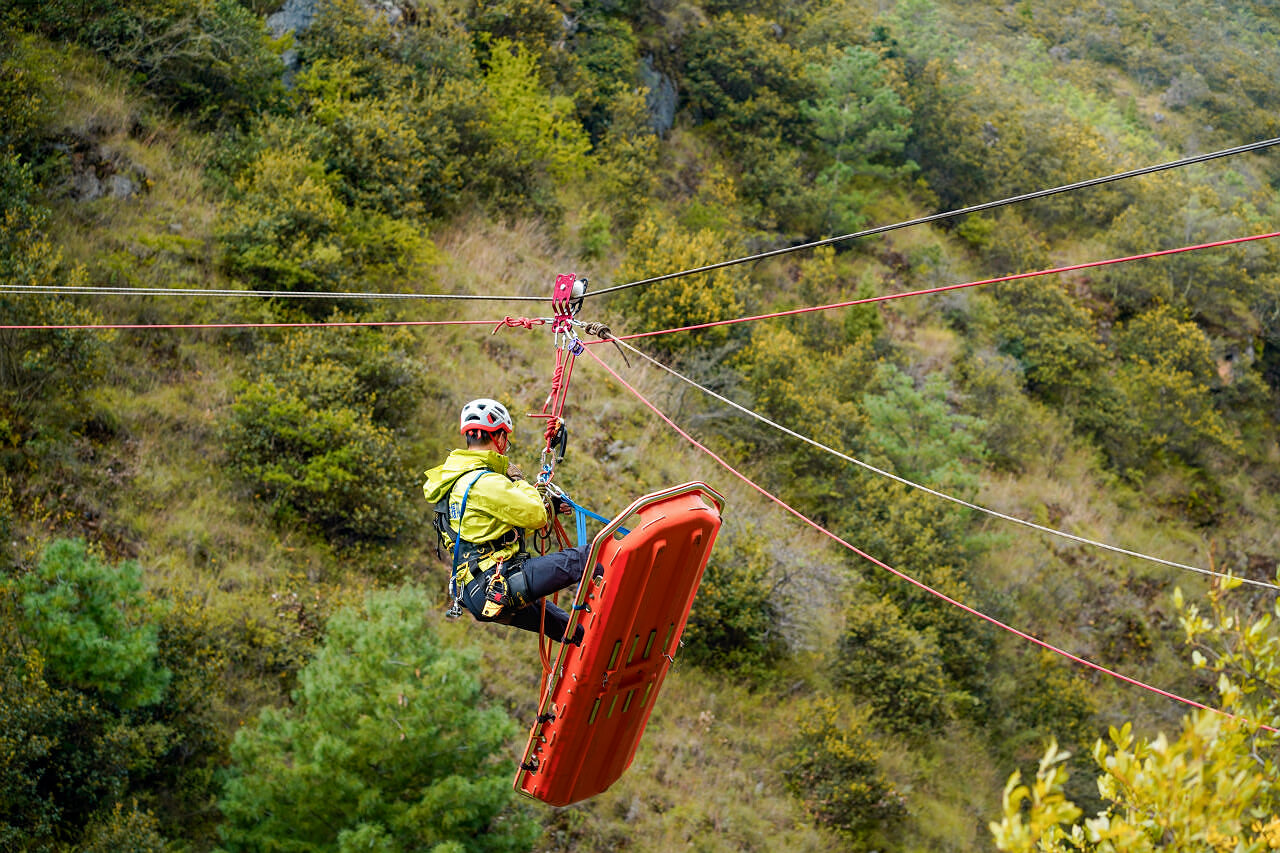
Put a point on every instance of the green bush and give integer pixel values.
(880, 660)
(314, 434)
(834, 768)
(745, 80)
(734, 624)
(935, 544)
(211, 59)
(288, 229)
(26, 92)
(121, 829)
(42, 373)
(389, 745)
(1164, 382)
(332, 468)
(659, 245)
(536, 143)
(1052, 336)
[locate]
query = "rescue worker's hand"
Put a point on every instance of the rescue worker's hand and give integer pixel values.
(514, 472)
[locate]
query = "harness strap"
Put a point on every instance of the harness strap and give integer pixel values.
(457, 534)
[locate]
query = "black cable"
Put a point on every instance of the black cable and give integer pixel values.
(1091, 182)
(82, 290)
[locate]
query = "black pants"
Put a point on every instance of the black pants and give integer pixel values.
(545, 575)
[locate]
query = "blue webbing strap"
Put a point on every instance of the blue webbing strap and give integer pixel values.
(581, 513)
(457, 535)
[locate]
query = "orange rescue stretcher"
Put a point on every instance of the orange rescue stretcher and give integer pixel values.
(599, 695)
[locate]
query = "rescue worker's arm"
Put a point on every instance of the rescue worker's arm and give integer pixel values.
(514, 502)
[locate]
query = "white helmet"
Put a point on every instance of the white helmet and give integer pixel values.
(485, 415)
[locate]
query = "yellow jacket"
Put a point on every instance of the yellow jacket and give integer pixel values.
(495, 505)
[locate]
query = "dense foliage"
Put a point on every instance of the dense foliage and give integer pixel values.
(385, 747)
(191, 518)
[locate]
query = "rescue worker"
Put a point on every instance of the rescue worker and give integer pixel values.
(484, 506)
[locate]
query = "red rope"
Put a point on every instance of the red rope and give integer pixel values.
(544, 642)
(944, 289)
(127, 326)
(556, 397)
(926, 588)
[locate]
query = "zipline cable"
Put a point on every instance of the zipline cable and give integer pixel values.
(528, 322)
(960, 501)
(84, 327)
(949, 287)
(923, 220)
(316, 294)
(919, 584)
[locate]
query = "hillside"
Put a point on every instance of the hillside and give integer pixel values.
(280, 262)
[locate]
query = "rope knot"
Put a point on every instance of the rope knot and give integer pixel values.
(601, 331)
(518, 323)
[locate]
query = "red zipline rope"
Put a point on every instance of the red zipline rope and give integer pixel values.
(926, 588)
(129, 326)
(945, 288)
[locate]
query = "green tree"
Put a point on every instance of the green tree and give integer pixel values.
(91, 625)
(858, 117)
(81, 720)
(388, 745)
(536, 140)
(919, 432)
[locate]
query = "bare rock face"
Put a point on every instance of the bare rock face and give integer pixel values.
(295, 16)
(662, 98)
(97, 172)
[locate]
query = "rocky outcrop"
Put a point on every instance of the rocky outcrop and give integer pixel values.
(662, 98)
(97, 172)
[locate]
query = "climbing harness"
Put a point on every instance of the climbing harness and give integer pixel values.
(466, 564)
